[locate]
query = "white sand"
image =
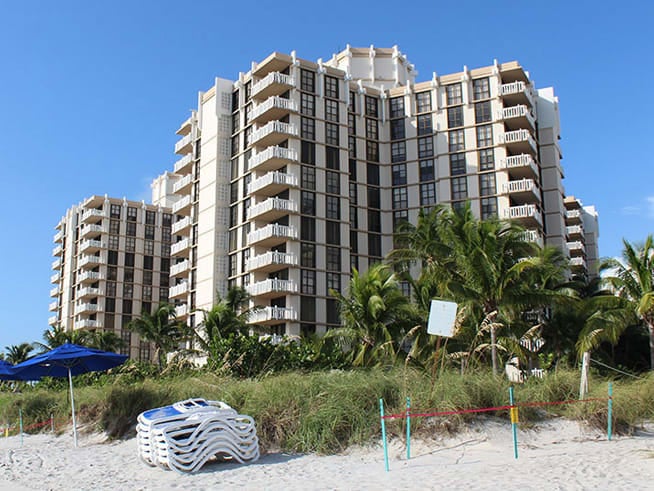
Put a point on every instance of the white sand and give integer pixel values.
(556, 455)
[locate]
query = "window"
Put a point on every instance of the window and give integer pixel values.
(307, 128)
(113, 242)
(149, 232)
(333, 259)
(352, 107)
(423, 102)
(397, 129)
(307, 153)
(459, 188)
(372, 172)
(147, 277)
(333, 284)
(425, 126)
(332, 159)
(308, 229)
(354, 242)
(308, 104)
(457, 164)
(371, 106)
(486, 159)
(165, 264)
(308, 281)
(400, 216)
(308, 177)
(167, 220)
(351, 124)
(484, 136)
(331, 110)
(372, 151)
(114, 211)
(307, 81)
(112, 273)
(372, 132)
(400, 198)
(127, 306)
(111, 288)
(374, 245)
(333, 207)
(308, 203)
(331, 134)
(131, 229)
(130, 244)
(488, 208)
(112, 257)
(148, 262)
(150, 217)
(131, 214)
(453, 94)
(396, 105)
(144, 351)
(374, 220)
(352, 147)
(333, 232)
(373, 197)
(114, 227)
(128, 290)
(456, 140)
(483, 112)
(487, 184)
(480, 89)
(399, 174)
(428, 194)
(166, 235)
(427, 170)
(333, 182)
(307, 255)
(308, 309)
(425, 146)
(129, 259)
(398, 151)
(455, 117)
(331, 87)
(110, 304)
(236, 120)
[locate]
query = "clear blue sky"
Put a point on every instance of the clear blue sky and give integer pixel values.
(91, 94)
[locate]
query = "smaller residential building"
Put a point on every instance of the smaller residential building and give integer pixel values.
(582, 232)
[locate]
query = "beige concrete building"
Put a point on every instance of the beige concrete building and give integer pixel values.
(582, 230)
(300, 170)
(112, 261)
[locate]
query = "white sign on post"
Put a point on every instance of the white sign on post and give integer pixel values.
(442, 316)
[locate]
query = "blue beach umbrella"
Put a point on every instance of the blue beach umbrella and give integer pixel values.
(65, 361)
(6, 371)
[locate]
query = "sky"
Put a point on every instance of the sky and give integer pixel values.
(91, 94)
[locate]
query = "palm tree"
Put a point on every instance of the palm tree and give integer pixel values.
(104, 340)
(374, 315)
(18, 353)
(227, 318)
(57, 336)
(633, 280)
(160, 328)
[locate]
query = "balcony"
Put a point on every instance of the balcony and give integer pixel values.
(86, 307)
(53, 306)
(183, 165)
(177, 269)
(272, 209)
(183, 206)
(57, 251)
(272, 158)
(272, 183)
(178, 290)
(183, 185)
(93, 215)
(92, 229)
(181, 311)
(58, 237)
(52, 320)
(88, 324)
(273, 133)
(185, 145)
(273, 108)
(180, 248)
(91, 246)
(56, 264)
(518, 141)
(89, 277)
(274, 83)
(578, 263)
(88, 292)
(523, 191)
(55, 278)
(272, 315)
(576, 248)
(533, 236)
(271, 235)
(520, 166)
(185, 127)
(91, 261)
(573, 216)
(526, 213)
(54, 292)
(181, 225)
(517, 93)
(574, 231)
(272, 287)
(516, 117)
(271, 261)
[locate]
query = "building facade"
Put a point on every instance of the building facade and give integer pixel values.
(112, 262)
(299, 171)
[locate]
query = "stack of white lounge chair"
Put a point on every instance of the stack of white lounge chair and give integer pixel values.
(185, 435)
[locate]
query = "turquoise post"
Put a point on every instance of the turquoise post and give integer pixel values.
(408, 428)
(609, 425)
(383, 426)
(514, 423)
(20, 423)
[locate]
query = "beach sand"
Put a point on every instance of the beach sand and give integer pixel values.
(558, 454)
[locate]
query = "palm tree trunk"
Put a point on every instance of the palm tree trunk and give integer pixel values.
(493, 350)
(650, 326)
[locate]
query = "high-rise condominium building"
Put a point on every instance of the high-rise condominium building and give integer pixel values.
(298, 171)
(112, 258)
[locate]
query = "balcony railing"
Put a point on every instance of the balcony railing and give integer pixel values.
(282, 206)
(519, 111)
(86, 307)
(91, 245)
(272, 230)
(271, 82)
(182, 163)
(518, 162)
(88, 292)
(273, 132)
(93, 214)
(268, 314)
(54, 291)
(276, 179)
(52, 320)
(88, 324)
(181, 310)
(59, 236)
(272, 285)
(89, 276)
(56, 251)
(576, 246)
(183, 145)
(271, 258)
(55, 278)
(178, 290)
(517, 88)
(272, 157)
(178, 247)
(572, 214)
(90, 260)
(93, 228)
(274, 108)
(182, 183)
(180, 225)
(523, 211)
(572, 230)
(56, 264)
(533, 236)
(181, 204)
(178, 268)
(521, 186)
(52, 306)
(577, 262)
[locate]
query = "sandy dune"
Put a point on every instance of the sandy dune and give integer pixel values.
(555, 455)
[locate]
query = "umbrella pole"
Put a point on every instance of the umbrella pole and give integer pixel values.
(72, 405)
